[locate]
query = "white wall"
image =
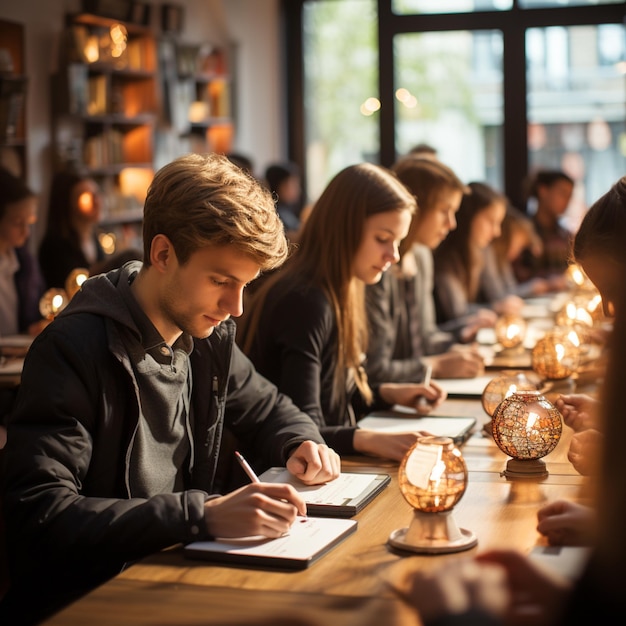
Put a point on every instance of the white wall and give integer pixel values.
(252, 25)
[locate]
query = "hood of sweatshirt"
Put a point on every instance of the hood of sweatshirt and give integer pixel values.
(99, 295)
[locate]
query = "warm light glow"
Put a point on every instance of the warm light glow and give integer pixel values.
(74, 281)
(198, 112)
(85, 202)
(92, 49)
(118, 33)
(108, 242)
(559, 351)
(370, 106)
(403, 94)
(52, 302)
(134, 182)
(531, 420)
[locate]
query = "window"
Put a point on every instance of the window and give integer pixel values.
(499, 87)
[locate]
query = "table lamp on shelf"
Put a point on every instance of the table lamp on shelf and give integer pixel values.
(52, 303)
(503, 386)
(433, 478)
(526, 426)
(510, 330)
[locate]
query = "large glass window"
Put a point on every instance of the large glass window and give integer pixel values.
(576, 94)
(340, 88)
(498, 87)
(449, 95)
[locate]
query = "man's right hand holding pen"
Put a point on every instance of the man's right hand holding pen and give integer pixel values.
(269, 509)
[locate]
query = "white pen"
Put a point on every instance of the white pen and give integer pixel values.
(246, 467)
(427, 375)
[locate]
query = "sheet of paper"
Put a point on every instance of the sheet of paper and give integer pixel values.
(465, 386)
(337, 492)
(439, 426)
(307, 537)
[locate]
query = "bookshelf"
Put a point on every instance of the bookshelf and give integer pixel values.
(204, 97)
(105, 107)
(13, 91)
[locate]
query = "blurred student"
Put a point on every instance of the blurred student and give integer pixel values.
(550, 194)
(404, 337)
(306, 329)
(71, 236)
(459, 261)
(499, 279)
(283, 180)
(21, 283)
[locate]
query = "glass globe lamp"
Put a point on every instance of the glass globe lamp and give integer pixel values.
(556, 355)
(510, 330)
(501, 387)
(75, 280)
(433, 478)
(52, 303)
(526, 426)
(574, 313)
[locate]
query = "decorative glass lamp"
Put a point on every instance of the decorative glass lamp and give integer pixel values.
(510, 330)
(74, 281)
(574, 313)
(556, 355)
(52, 303)
(526, 426)
(433, 478)
(501, 387)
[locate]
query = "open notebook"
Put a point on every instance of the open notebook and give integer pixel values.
(401, 419)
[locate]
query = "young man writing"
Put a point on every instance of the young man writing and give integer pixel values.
(115, 435)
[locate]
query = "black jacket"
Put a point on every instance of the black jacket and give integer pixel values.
(71, 521)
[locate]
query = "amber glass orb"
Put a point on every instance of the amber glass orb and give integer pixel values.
(526, 426)
(510, 330)
(52, 303)
(75, 280)
(501, 387)
(573, 313)
(433, 475)
(556, 355)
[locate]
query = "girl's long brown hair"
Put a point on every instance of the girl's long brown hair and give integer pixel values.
(324, 259)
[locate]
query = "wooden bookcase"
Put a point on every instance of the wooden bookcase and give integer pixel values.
(204, 88)
(13, 91)
(105, 106)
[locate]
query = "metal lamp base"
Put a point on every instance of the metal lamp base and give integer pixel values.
(432, 533)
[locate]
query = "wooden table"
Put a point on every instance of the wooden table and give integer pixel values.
(340, 586)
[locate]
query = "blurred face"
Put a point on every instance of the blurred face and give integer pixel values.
(16, 222)
(607, 276)
(556, 197)
(439, 220)
(289, 190)
(208, 289)
(378, 249)
(87, 201)
(486, 224)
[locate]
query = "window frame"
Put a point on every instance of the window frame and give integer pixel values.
(513, 23)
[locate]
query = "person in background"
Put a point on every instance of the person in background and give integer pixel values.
(518, 234)
(459, 261)
(550, 193)
(404, 337)
(114, 439)
(242, 161)
(424, 151)
(306, 328)
(71, 238)
(283, 180)
(21, 283)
